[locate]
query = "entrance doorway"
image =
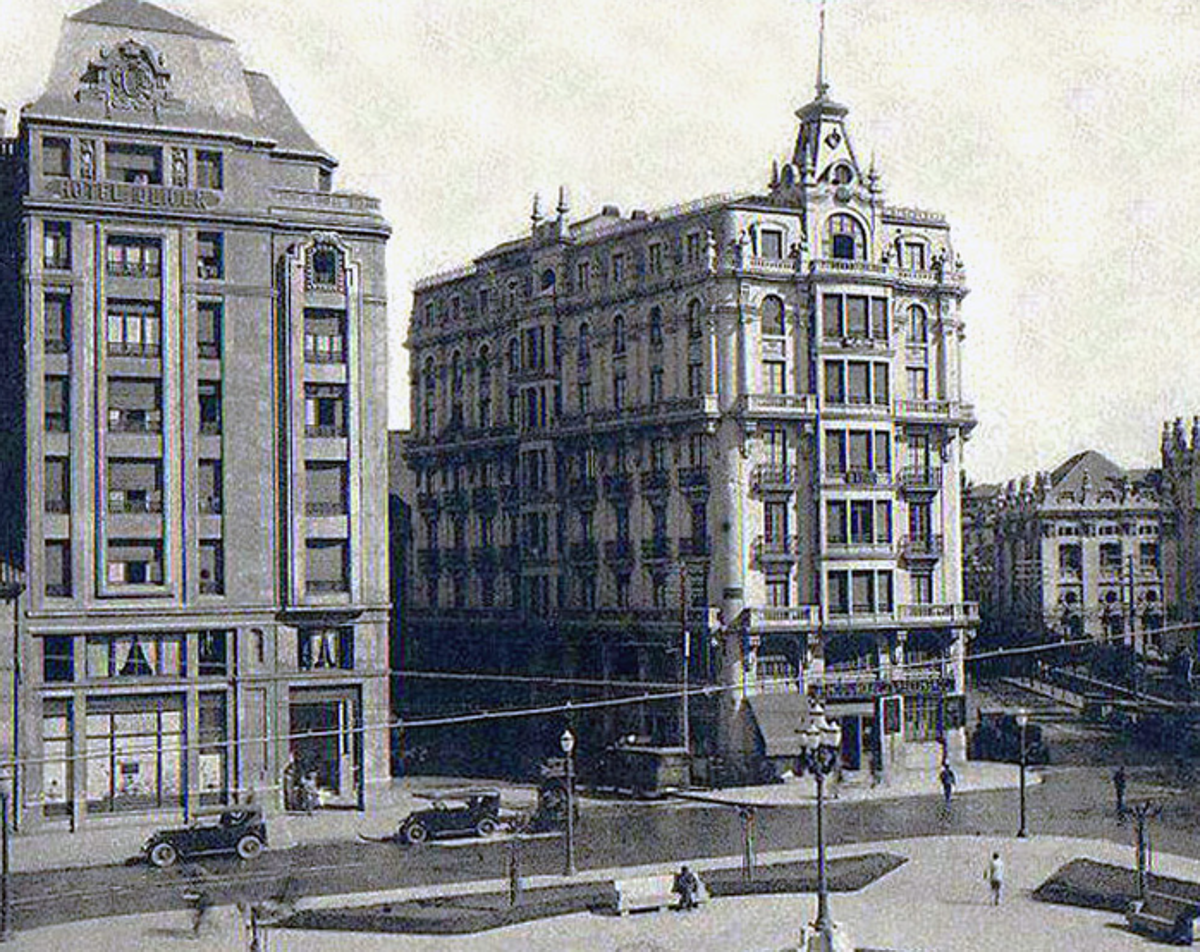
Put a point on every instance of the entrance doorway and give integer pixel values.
(326, 741)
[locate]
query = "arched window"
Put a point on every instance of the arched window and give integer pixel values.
(656, 327)
(585, 344)
(618, 334)
(429, 381)
(842, 174)
(548, 278)
(485, 387)
(845, 239)
(514, 355)
(918, 325)
(772, 316)
(695, 321)
(325, 267)
(457, 381)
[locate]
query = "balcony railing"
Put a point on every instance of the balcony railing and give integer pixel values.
(771, 478)
(921, 547)
(693, 478)
(937, 611)
(778, 405)
(806, 616)
(133, 269)
(656, 550)
(840, 267)
(619, 485)
(938, 410)
(121, 348)
(656, 480)
(921, 478)
(695, 547)
(859, 476)
(618, 552)
(777, 548)
(322, 586)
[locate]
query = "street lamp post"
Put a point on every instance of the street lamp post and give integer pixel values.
(567, 741)
(820, 746)
(1023, 723)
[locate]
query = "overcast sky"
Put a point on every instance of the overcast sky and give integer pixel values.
(1061, 137)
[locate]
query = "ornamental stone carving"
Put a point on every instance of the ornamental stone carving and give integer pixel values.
(128, 77)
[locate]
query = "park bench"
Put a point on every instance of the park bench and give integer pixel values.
(651, 892)
(1163, 916)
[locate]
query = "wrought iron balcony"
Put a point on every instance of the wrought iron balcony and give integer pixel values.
(777, 548)
(770, 478)
(958, 612)
(858, 476)
(921, 478)
(921, 548)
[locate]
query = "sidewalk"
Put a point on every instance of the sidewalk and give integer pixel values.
(936, 902)
(103, 843)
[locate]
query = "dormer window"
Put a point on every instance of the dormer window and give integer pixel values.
(845, 239)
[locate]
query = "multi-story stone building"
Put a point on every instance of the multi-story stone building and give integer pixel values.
(1181, 529)
(758, 397)
(1069, 554)
(194, 392)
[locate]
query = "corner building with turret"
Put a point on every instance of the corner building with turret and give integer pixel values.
(194, 400)
(740, 418)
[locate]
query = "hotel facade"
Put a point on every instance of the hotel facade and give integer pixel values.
(724, 437)
(194, 356)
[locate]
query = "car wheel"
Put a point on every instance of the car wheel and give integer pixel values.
(416, 833)
(249, 847)
(486, 827)
(163, 855)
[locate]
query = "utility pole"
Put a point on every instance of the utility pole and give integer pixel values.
(1142, 811)
(1136, 659)
(685, 728)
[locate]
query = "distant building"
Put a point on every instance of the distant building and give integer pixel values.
(1073, 553)
(741, 415)
(1181, 502)
(194, 399)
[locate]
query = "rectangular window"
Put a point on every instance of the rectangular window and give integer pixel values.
(856, 318)
(135, 164)
(835, 381)
(771, 243)
(697, 450)
(922, 589)
(693, 246)
(837, 595)
(860, 451)
(835, 452)
(1148, 556)
(56, 323)
(56, 157)
(858, 382)
(135, 562)
(134, 485)
(211, 486)
(835, 523)
(656, 259)
(209, 396)
(56, 485)
(883, 590)
(774, 377)
(619, 391)
(883, 453)
(883, 521)
(585, 397)
(134, 329)
(862, 522)
(583, 275)
(212, 567)
(56, 245)
(1110, 557)
(58, 569)
(775, 522)
(133, 257)
(324, 336)
(920, 520)
(325, 409)
(918, 383)
(879, 321)
(321, 648)
(880, 389)
(210, 255)
(831, 317)
(58, 658)
(210, 170)
(58, 405)
(775, 445)
(695, 379)
(210, 316)
(325, 489)
(134, 656)
(656, 384)
(862, 593)
(327, 566)
(1070, 560)
(778, 591)
(618, 268)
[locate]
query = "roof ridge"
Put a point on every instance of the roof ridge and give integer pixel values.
(140, 15)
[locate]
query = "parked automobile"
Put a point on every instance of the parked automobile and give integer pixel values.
(997, 736)
(238, 830)
(454, 813)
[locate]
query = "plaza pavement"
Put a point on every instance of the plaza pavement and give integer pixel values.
(112, 842)
(936, 902)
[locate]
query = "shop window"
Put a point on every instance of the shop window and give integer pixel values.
(134, 656)
(56, 323)
(321, 648)
(134, 164)
(213, 758)
(135, 753)
(57, 776)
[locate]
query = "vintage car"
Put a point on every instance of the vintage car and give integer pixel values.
(997, 736)
(454, 813)
(238, 830)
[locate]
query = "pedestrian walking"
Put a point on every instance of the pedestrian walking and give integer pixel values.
(201, 902)
(994, 874)
(1119, 790)
(948, 781)
(687, 885)
(310, 796)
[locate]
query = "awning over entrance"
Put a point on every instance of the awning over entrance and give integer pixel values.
(779, 718)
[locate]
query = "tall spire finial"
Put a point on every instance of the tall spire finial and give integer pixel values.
(822, 86)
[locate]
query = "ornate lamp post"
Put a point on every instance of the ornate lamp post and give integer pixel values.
(1023, 722)
(567, 742)
(821, 745)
